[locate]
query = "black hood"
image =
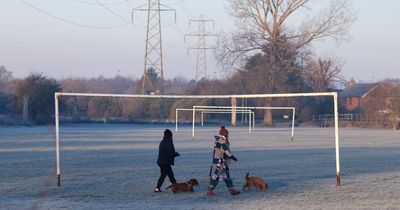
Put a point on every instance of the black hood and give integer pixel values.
(167, 135)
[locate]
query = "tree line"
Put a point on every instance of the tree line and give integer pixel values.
(40, 90)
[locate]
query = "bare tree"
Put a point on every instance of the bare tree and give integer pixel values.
(267, 24)
(265, 21)
(324, 73)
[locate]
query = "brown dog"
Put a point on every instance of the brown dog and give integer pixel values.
(184, 187)
(258, 182)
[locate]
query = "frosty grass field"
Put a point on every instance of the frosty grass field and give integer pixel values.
(113, 167)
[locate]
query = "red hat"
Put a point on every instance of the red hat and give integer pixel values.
(223, 131)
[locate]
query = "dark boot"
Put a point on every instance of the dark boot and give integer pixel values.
(232, 191)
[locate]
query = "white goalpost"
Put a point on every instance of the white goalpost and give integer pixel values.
(228, 111)
(253, 96)
(237, 108)
(206, 110)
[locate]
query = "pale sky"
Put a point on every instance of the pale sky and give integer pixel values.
(31, 41)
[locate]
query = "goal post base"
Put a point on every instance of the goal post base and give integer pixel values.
(58, 180)
(338, 179)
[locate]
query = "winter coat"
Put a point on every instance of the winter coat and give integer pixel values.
(166, 152)
(221, 150)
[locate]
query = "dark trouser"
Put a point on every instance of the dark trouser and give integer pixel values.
(221, 170)
(166, 170)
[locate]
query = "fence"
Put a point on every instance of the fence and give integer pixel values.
(345, 117)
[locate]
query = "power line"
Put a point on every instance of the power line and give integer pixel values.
(112, 12)
(97, 4)
(71, 22)
(122, 18)
(186, 9)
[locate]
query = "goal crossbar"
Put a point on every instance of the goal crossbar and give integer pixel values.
(252, 123)
(247, 108)
(209, 110)
(334, 95)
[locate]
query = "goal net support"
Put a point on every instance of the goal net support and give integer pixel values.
(252, 123)
(232, 97)
(240, 108)
(216, 111)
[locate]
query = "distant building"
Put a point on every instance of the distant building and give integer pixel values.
(357, 97)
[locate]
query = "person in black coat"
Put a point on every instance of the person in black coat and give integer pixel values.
(166, 158)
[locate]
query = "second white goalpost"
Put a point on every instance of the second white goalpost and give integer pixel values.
(208, 110)
(238, 108)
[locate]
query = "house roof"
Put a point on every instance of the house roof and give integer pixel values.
(358, 90)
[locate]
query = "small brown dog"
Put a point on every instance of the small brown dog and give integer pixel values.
(183, 187)
(258, 182)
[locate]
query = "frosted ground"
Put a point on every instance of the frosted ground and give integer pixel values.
(113, 167)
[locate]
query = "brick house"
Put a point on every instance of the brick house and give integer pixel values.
(357, 97)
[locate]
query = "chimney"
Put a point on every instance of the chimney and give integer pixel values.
(351, 82)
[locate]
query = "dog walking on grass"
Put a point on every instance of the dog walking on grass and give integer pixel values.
(183, 187)
(255, 181)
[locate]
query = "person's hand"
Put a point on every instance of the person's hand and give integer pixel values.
(233, 158)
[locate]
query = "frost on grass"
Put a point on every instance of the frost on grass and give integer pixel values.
(113, 167)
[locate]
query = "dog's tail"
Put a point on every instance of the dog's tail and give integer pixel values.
(168, 187)
(247, 176)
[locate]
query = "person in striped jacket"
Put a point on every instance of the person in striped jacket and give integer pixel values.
(222, 157)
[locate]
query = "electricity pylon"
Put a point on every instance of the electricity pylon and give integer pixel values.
(153, 74)
(201, 34)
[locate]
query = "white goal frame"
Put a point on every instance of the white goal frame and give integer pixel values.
(206, 110)
(334, 95)
(246, 108)
(228, 111)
